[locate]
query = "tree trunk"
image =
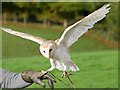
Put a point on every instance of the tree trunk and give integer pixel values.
(65, 23)
(45, 23)
(15, 18)
(5, 18)
(25, 19)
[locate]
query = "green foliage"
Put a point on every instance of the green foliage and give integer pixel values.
(63, 12)
(9, 7)
(97, 69)
(112, 21)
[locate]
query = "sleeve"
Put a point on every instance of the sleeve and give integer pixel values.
(12, 80)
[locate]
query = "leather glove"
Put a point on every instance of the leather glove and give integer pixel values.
(37, 77)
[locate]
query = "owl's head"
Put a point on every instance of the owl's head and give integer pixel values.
(48, 49)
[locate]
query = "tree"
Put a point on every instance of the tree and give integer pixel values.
(112, 22)
(7, 8)
(25, 9)
(67, 11)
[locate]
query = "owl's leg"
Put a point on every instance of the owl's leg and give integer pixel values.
(52, 68)
(64, 73)
(53, 65)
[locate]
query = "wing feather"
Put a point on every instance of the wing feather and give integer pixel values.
(73, 32)
(23, 35)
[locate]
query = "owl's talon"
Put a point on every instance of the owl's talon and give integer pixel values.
(64, 74)
(47, 71)
(44, 72)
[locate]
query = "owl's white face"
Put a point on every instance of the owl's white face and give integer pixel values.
(48, 49)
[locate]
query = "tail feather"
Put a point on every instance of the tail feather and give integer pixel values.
(74, 68)
(70, 66)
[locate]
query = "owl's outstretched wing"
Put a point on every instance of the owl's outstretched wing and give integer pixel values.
(73, 32)
(23, 35)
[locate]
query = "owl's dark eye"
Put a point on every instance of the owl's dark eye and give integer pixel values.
(44, 51)
(50, 50)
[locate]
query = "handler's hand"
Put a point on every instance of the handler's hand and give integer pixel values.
(37, 77)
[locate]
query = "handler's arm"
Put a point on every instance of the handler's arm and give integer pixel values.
(12, 80)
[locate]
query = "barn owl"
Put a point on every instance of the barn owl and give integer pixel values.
(57, 51)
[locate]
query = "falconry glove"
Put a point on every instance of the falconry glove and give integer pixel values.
(37, 77)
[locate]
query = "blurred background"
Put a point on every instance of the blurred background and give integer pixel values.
(95, 53)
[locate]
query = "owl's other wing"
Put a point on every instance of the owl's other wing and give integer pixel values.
(73, 32)
(23, 35)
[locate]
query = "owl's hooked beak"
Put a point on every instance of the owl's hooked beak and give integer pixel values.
(50, 55)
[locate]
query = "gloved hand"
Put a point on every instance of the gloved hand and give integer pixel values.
(37, 77)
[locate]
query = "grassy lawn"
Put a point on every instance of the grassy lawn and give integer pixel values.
(97, 69)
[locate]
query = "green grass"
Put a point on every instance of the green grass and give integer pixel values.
(97, 69)
(13, 46)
